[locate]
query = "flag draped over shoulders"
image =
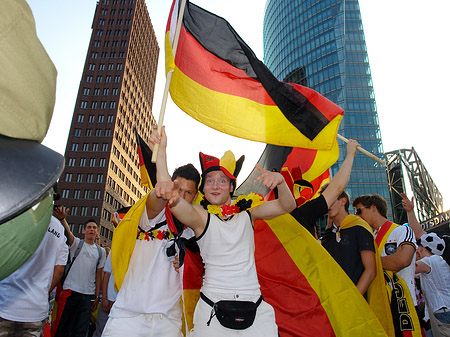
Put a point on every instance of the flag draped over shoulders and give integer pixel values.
(311, 294)
(377, 295)
(218, 80)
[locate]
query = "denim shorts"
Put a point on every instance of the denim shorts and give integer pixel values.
(443, 317)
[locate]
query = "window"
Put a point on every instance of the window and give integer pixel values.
(102, 162)
(77, 132)
(86, 147)
(99, 178)
(92, 65)
(94, 55)
(104, 11)
(101, 118)
(105, 147)
(89, 79)
(117, 78)
(69, 177)
(97, 195)
(80, 118)
(111, 22)
(92, 162)
(74, 146)
(109, 32)
(86, 91)
(95, 147)
(99, 32)
(89, 178)
(73, 210)
(103, 105)
(87, 194)
(110, 119)
(92, 117)
(111, 66)
(71, 162)
(108, 133)
(116, 43)
(99, 79)
(102, 66)
(83, 105)
(119, 65)
(76, 194)
(94, 211)
(115, 91)
(96, 91)
(84, 211)
(101, 22)
(98, 132)
(105, 91)
(88, 132)
(79, 177)
(121, 55)
(108, 79)
(113, 55)
(65, 194)
(83, 162)
(112, 105)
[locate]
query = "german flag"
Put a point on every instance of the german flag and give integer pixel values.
(218, 80)
(310, 293)
(146, 167)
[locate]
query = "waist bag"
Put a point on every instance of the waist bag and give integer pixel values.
(237, 315)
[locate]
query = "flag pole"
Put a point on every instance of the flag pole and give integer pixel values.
(168, 78)
(367, 153)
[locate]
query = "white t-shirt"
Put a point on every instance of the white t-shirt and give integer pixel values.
(24, 293)
(81, 277)
(228, 251)
(403, 235)
(151, 284)
(436, 284)
(112, 293)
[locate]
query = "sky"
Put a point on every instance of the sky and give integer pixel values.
(408, 56)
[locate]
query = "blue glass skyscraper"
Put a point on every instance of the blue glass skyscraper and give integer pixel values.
(321, 44)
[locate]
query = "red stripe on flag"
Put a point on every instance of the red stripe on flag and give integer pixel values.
(216, 74)
(297, 307)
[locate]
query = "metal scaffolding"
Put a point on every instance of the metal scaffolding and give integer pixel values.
(427, 197)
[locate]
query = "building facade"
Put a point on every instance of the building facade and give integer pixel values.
(115, 96)
(321, 44)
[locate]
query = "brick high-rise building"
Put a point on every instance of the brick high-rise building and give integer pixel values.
(115, 95)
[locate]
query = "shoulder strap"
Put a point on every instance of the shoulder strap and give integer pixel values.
(100, 253)
(69, 265)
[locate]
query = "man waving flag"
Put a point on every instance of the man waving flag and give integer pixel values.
(218, 80)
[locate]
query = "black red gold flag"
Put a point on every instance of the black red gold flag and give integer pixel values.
(218, 80)
(146, 167)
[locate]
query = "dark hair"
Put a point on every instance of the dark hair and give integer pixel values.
(188, 172)
(344, 194)
(372, 200)
(90, 220)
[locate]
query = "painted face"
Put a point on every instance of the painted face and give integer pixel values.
(187, 189)
(217, 188)
(90, 230)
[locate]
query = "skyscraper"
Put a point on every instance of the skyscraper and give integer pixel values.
(115, 95)
(321, 44)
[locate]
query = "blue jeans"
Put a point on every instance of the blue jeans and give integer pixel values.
(443, 317)
(76, 316)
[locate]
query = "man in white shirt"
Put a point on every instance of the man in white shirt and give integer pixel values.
(148, 302)
(82, 283)
(397, 245)
(24, 293)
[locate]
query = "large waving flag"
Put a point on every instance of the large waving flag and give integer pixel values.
(218, 80)
(310, 293)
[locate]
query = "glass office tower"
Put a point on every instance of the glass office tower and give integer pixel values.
(320, 44)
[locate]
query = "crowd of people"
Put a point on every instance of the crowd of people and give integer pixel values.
(366, 245)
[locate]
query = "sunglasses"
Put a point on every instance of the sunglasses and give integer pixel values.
(358, 210)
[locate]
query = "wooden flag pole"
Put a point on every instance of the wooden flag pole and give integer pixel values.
(367, 153)
(162, 112)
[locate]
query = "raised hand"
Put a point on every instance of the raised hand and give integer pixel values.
(407, 204)
(268, 179)
(60, 212)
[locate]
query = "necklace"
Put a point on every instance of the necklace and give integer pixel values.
(242, 203)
